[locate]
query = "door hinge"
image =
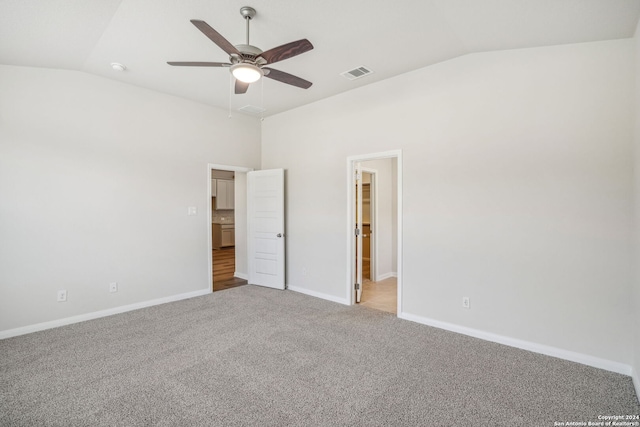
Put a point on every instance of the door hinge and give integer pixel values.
(357, 286)
(357, 232)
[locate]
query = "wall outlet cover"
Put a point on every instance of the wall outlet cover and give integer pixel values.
(62, 296)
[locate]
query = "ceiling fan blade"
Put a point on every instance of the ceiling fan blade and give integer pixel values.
(287, 51)
(241, 87)
(287, 78)
(199, 64)
(216, 37)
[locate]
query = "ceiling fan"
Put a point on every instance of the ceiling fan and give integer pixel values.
(248, 63)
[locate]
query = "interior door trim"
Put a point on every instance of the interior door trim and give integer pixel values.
(210, 167)
(351, 200)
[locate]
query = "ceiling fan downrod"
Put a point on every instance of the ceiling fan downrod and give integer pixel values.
(247, 13)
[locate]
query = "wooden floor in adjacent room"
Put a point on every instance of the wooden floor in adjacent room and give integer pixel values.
(224, 265)
(381, 295)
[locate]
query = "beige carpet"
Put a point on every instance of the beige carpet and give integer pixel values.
(251, 356)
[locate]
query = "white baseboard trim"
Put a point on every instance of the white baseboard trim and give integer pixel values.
(596, 362)
(243, 276)
(318, 295)
(387, 275)
(635, 376)
(98, 314)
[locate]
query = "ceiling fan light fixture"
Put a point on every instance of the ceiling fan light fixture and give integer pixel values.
(247, 73)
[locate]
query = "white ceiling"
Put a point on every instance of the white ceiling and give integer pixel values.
(389, 37)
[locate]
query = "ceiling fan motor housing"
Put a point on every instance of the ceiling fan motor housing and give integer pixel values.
(249, 54)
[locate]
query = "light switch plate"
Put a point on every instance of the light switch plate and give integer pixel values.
(192, 210)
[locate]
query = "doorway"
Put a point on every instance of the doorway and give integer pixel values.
(375, 233)
(369, 223)
(227, 226)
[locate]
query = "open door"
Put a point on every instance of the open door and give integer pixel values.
(265, 212)
(358, 233)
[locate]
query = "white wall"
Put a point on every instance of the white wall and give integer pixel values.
(95, 180)
(517, 191)
(636, 282)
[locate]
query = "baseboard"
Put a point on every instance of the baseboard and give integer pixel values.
(243, 276)
(98, 314)
(635, 376)
(319, 295)
(584, 359)
(387, 275)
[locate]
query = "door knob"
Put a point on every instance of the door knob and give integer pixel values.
(279, 235)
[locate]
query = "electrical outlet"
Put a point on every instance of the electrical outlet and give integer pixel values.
(113, 287)
(62, 296)
(465, 302)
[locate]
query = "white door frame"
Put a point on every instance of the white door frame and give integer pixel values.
(210, 167)
(351, 200)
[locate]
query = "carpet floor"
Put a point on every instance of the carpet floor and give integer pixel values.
(252, 356)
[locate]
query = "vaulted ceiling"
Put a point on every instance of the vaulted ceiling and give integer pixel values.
(388, 37)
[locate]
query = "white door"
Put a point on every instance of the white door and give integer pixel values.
(358, 233)
(265, 210)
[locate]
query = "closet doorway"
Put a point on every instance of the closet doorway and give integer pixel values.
(375, 238)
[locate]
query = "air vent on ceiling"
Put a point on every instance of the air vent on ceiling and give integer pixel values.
(252, 109)
(356, 73)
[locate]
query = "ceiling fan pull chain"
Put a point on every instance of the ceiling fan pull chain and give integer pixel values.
(230, 92)
(262, 100)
